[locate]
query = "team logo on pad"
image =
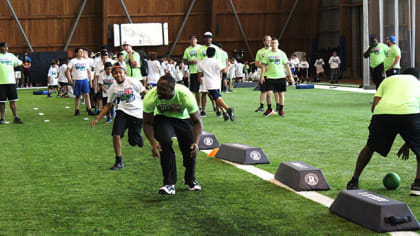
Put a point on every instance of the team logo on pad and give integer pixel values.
(208, 141)
(311, 179)
(255, 155)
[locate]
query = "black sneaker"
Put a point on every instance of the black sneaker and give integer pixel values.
(2, 122)
(268, 112)
(194, 186)
(231, 114)
(203, 114)
(91, 113)
(167, 190)
(118, 165)
(214, 108)
(277, 107)
(353, 184)
(259, 109)
(225, 116)
(17, 120)
(218, 114)
(415, 190)
(76, 112)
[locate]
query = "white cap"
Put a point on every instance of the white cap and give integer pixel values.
(208, 34)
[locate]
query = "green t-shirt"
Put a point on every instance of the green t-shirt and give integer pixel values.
(190, 54)
(7, 63)
(223, 56)
(180, 106)
(390, 56)
(377, 55)
(400, 95)
(133, 72)
(203, 50)
(261, 53)
(275, 62)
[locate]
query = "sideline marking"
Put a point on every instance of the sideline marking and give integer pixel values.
(346, 89)
(41, 114)
(311, 195)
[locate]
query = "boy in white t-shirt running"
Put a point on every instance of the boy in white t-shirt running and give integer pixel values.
(209, 71)
(53, 78)
(126, 94)
(79, 70)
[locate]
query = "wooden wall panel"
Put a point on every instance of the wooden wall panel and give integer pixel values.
(48, 22)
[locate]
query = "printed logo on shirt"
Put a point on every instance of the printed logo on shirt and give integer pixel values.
(275, 60)
(6, 61)
(80, 66)
(375, 51)
(168, 108)
(109, 81)
(193, 53)
(126, 96)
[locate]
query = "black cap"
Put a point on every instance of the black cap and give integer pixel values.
(3, 44)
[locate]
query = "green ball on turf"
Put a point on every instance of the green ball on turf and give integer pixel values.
(391, 181)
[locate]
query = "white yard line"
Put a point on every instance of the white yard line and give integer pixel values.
(347, 89)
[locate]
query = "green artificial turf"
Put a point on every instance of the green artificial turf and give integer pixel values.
(54, 176)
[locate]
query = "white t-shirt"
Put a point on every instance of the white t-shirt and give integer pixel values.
(53, 76)
(179, 73)
(79, 68)
(211, 68)
(99, 66)
(154, 72)
(62, 74)
(304, 64)
(334, 62)
(319, 65)
(127, 97)
(294, 63)
(170, 68)
(231, 72)
(239, 70)
(107, 81)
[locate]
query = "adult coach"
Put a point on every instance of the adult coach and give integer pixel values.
(126, 94)
(396, 110)
(392, 58)
(274, 64)
(265, 94)
(376, 54)
(78, 70)
(8, 82)
(190, 59)
(170, 110)
(133, 63)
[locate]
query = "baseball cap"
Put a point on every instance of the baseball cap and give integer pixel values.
(125, 43)
(3, 44)
(208, 34)
(392, 39)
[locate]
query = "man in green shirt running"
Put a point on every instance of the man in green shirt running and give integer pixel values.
(274, 64)
(392, 58)
(170, 110)
(395, 108)
(8, 82)
(133, 63)
(190, 59)
(376, 54)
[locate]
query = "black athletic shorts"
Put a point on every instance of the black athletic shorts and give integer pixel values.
(384, 128)
(214, 93)
(224, 77)
(376, 74)
(194, 83)
(8, 92)
(52, 86)
(63, 84)
(277, 85)
(264, 86)
(122, 122)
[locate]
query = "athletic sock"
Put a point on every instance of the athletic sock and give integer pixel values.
(417, 181)
(280, 107)
(268, 106)
(262, 105)
(118, 159)
(354, 179)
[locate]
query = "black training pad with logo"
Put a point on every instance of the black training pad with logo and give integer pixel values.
(301, 176)
(373, 211)
(243, 154)
(207, 141)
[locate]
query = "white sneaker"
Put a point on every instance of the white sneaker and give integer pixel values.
(194, 186)
(167, 190)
